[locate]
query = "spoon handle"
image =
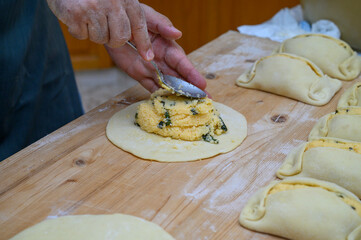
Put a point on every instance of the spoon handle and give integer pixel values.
(132, 45)
(159, 73)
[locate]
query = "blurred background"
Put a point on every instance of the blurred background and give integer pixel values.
(200, 21)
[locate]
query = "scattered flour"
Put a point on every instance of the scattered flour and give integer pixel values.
(236, 58)
(287, 147)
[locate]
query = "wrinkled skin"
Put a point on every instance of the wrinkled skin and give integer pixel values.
(110, 22)
(113, 22)
(169, 57)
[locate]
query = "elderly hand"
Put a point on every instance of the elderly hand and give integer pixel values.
(110, 22)
(169, 56)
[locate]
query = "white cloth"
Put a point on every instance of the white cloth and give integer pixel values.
(288, 23)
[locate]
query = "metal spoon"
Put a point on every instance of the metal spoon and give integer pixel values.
(175, 84)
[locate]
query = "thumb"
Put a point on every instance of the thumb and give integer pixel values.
(160, 24)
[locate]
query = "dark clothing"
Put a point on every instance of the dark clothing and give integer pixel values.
(38, 93)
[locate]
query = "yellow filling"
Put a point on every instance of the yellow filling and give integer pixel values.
(179, 117)
(351, 146)
(354, 204)
(346, 111)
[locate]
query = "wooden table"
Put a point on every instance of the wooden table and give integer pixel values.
(76, 170)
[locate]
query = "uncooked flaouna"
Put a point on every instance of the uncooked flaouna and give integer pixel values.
(344, 123)
(304, 209)
(332, 160)
(291, 76)
(333, 56)
(351, 97)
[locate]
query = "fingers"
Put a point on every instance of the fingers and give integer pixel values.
(79, 31)
(139, 30)
(128, 60)
(70, 16)
(111, 22)
(176, 59)
(144, 75)
(119, 27)
(149, 84)
(160, 24)
(98, 29)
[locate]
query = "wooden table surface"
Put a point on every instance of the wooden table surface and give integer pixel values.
(76, 170)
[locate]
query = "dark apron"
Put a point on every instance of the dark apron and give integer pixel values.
(38, 93)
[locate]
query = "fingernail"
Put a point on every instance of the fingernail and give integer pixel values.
(175, 30)
(150, 55)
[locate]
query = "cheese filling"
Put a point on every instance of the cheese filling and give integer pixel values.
(346, 111)
(353, 203)
(351, 146)
(180, 117)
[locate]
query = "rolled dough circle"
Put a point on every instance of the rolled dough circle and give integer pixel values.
(94, 227)
(122, 132)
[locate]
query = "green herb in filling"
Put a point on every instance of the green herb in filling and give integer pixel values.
(168, 122)
(136, 120)
(194, 111)
(223, 126)
(209, 138)
(160, 125)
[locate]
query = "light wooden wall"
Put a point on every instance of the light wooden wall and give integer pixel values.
(199, 20)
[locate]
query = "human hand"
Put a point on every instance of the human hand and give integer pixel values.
(110, 22)
(169, 56)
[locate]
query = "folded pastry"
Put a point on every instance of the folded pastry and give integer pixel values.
(351, 97)
(344, 123)
(326, 159)
(291, 76)
(333, 56)
(304, 209)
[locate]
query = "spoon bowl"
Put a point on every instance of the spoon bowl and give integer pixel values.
(175, 84)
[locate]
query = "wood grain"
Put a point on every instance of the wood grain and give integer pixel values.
(76, 170)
